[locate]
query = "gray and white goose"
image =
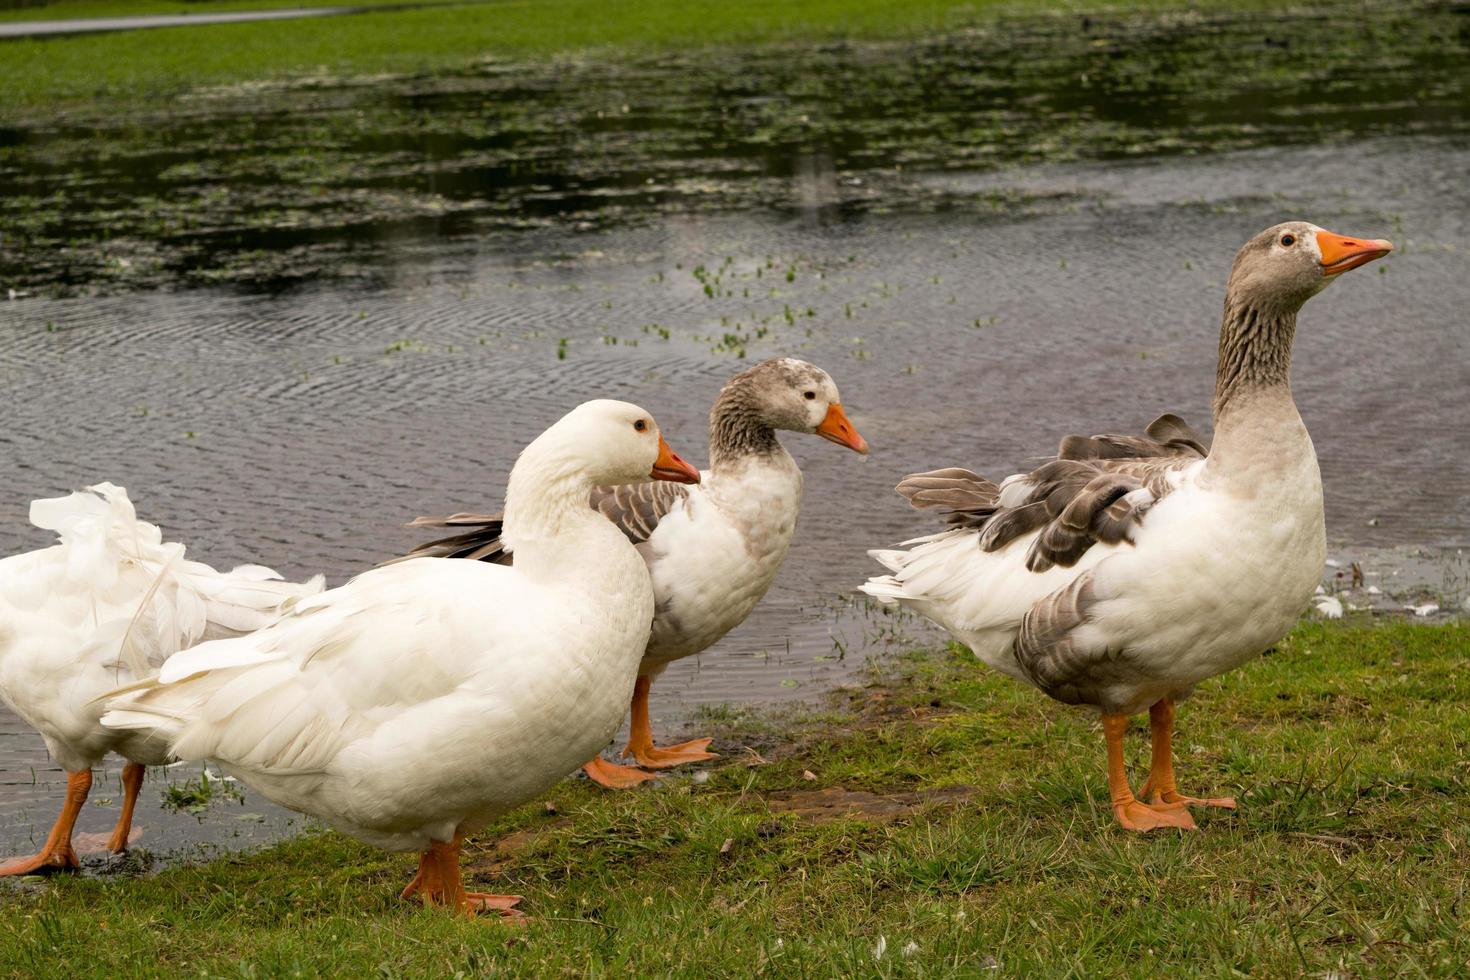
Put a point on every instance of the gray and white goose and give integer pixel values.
(712, 550)
(1127, 570)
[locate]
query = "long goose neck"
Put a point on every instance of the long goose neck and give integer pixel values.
(1255, 352)
(737, 433)
(1257, 427)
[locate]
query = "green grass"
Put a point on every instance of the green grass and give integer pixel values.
(148, 66)
(1347, 748)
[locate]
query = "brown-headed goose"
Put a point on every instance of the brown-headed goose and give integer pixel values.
(1129, 569)
(713, 549)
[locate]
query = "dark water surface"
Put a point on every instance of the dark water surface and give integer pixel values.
(300, 429)
(970, 313)
(266, 184)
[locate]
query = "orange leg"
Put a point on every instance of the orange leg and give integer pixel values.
(610, 775)
(1160, 788)
(439, 883)
(132, 783)
(57, 854)
(426, 883)
(1132, 814)
(640, 740)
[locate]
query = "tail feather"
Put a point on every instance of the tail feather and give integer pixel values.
(213, 655)
(152, 720)
(965, 499)
(173, 603)
(890, 558)
(884, 588)
(131, 652)
(248, 598)
(482, 542)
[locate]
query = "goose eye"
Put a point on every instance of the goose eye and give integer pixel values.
(810, 395)
(1288, 239)
(640, 425)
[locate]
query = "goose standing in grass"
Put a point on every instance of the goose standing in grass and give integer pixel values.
(712, 550)
(422, 700)
(106, 606)
(1128, 569)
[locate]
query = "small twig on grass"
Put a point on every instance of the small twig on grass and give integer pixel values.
(558, 918)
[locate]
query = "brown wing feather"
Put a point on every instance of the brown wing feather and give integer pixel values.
(1167, 435)
(480, 543)
(1063, 661)
(635, 509)
(966, 499)
(1082, 497)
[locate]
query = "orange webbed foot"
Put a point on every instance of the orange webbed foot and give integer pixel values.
(1173, 798)
(118, 842)
(640, 737)
(125, 833)
(1138, 816)
(1160, 789)
(610, 775)
(653, 757)
(502, 905)
(102, 843)
(1176, 800)
(47, 861)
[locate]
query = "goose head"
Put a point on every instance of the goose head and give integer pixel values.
(607, 443)
(1286, 265)
(786, 393)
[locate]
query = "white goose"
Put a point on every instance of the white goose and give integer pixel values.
(712, 550)
(1128, 570)
(420, 701)
(106, 606)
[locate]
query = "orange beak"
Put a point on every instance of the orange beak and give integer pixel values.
(836, 428)
(671, 466)
(1340, 254)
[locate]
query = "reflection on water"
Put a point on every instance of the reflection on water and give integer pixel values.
(300, 429)
(324, 177)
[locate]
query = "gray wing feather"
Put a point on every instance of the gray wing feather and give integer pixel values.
(1050, 651)
(966, 499)
(481, 542)
(636, 509)
(1089, 493)
(1097, 490)
(1167, 435)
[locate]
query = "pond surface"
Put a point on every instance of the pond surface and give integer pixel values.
(971, 314)
(270, 184)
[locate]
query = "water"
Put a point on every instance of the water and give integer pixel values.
(271, 184)
(970, 316)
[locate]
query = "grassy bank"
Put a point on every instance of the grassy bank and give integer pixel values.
(1347, 748)
(141, 66)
